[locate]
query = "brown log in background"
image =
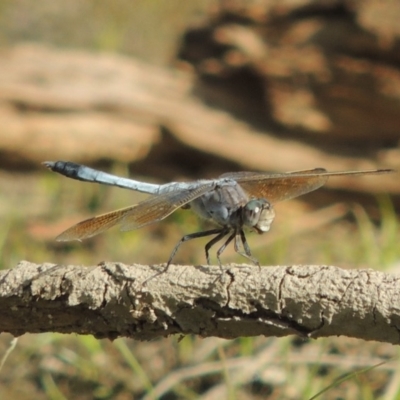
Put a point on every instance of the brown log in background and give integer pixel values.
(275, 87)
(327, 71)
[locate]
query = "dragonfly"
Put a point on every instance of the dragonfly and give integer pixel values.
(234, 201)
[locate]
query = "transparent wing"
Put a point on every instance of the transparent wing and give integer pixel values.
(93, 226)
(282, 186)
(159, 207)
(144, 213)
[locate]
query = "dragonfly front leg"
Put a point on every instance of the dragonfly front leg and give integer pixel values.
(247, 252)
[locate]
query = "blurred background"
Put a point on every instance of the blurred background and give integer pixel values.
(164, 91)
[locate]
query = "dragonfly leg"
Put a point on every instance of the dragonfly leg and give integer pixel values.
(185, 238)
(222, 232)
(247, 251)
(223, 247)
(194, 236)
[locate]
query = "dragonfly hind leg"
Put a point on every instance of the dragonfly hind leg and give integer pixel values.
(196, 235)
(220, 233)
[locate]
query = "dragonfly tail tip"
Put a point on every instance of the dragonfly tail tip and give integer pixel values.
(49, 164)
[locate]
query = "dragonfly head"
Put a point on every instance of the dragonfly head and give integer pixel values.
(258, 214)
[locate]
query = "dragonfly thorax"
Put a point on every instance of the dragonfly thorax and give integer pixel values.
(258, 214)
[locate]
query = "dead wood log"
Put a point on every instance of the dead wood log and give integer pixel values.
(328, 71)
(114, 108)
(113, 300)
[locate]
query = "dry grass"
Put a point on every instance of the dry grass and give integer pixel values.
(36, 206)
(56, 366)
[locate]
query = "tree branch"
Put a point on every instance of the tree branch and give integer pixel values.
(113, 300)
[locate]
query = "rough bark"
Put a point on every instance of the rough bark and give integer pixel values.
(113, 300)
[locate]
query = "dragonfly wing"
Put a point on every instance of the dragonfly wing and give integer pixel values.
(159, 207)
(251, 175)
(144, 213)
(282, 186)
(279, 186)
(93, 226)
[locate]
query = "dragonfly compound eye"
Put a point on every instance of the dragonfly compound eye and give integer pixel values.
(258, 214)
